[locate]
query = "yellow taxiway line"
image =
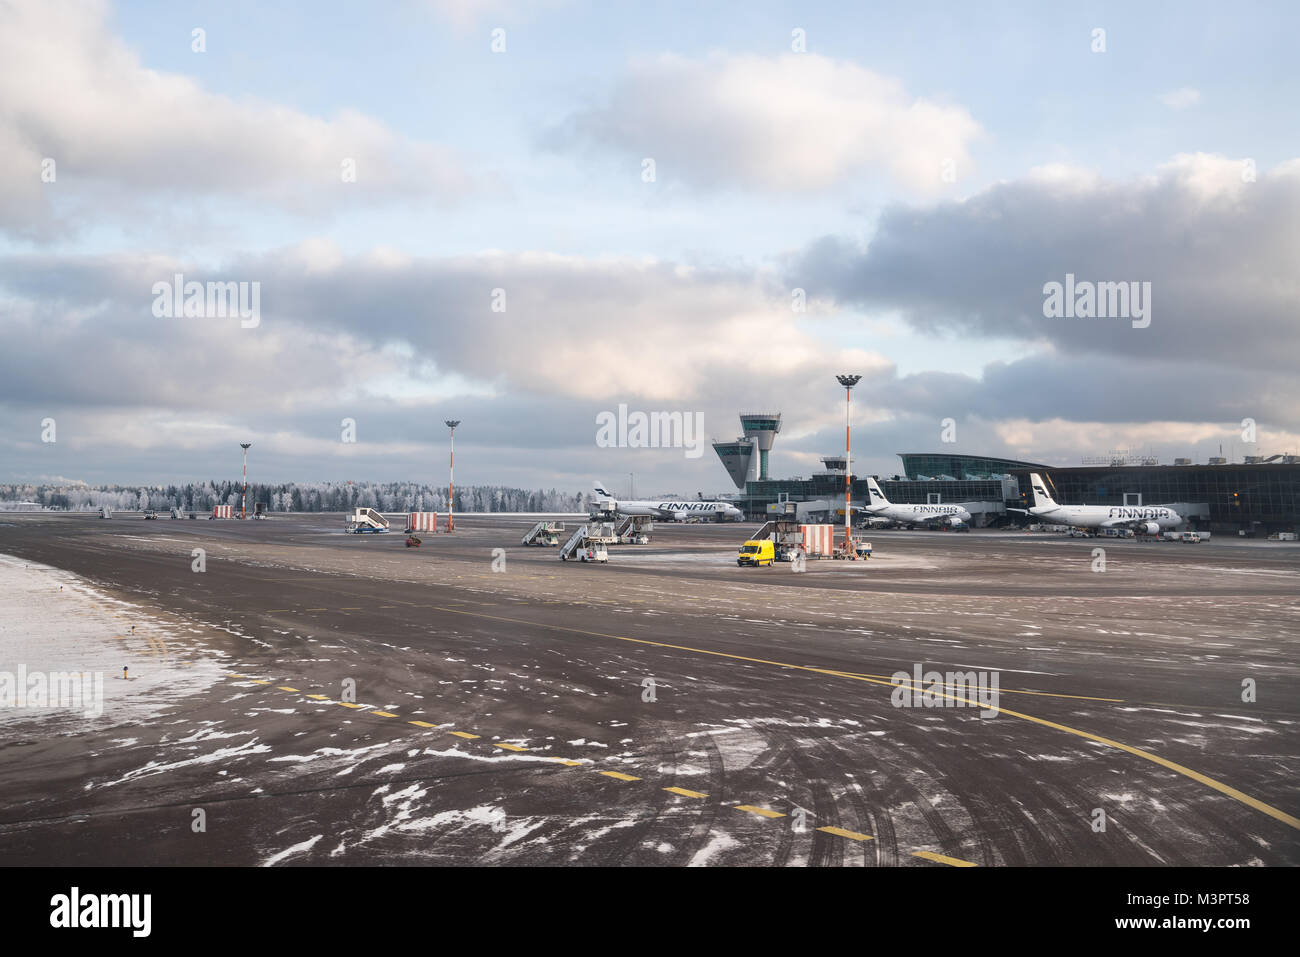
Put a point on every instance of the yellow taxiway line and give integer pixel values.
(1219, 786)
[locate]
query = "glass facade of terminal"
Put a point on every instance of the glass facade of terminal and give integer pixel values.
(1239, 496)
(920, 466)
(1259, 498)
(759, 495)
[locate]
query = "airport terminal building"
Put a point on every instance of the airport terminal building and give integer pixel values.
(1255, 497)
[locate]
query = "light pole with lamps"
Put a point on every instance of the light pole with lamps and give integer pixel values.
(243, 498)
(451, 472)
(848, 381)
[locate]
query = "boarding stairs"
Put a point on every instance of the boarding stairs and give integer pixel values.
(367, 520)
(633, 529)
(544, 533)
(575, 542)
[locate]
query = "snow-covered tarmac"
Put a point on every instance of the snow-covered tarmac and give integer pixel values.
(52, 621)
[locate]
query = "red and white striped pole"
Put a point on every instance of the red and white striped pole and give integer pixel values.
(848, 381)
(243, 498)
(451, 476)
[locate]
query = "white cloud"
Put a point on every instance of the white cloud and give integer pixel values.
(795, 122)
(1218, 249)
(74, 92)
(467, 13)
(1181, 99)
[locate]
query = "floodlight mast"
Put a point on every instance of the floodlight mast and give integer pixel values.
(848, 381)
(451, 473)
(243, 498)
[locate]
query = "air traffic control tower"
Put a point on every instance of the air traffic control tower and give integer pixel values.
(737, 457)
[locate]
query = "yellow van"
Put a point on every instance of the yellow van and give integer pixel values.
(757, 553)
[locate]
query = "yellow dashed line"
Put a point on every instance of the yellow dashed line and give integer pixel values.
(910, 684)
(851, 835)
(1208, 781)
(619, 775)
(939, 858)
(687, 794)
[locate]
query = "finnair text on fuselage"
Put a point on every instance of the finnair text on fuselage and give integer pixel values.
(1129, 511)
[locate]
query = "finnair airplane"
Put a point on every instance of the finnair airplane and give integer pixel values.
(882, 508)
(678, 511)
(1147, 518)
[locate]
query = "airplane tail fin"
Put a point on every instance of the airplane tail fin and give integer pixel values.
(877, 496)
(1041, 495)
(600, 489)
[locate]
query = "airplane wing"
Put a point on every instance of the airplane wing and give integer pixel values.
(1126, 522)
(936, 520)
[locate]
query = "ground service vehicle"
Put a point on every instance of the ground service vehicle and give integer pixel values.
(757, 553)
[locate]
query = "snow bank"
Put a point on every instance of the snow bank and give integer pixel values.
(58, 635)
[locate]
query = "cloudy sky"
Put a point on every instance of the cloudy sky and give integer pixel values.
(521, 215)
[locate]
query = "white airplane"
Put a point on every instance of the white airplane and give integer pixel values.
(1147, 518)
(882, 508)
(674, 510)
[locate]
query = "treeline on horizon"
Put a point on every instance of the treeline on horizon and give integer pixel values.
(296, 497)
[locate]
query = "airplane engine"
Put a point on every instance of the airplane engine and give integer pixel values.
(681, 516)
(954, 521)
(1151, 528)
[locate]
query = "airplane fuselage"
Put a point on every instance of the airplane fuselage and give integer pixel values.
(1099, 516)
(670, 509)
(918, 514)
